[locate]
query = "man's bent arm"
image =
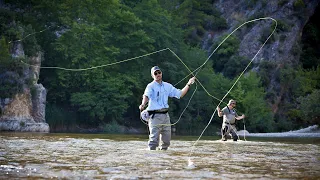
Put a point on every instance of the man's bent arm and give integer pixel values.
(184, 90)
(240, 117)
(145, 99)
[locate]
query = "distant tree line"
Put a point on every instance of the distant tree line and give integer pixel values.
(86, 33)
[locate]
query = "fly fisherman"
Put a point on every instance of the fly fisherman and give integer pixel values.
(229, 120)
(156, 94)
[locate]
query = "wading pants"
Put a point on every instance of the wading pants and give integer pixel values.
(229, 129)
(160, 129)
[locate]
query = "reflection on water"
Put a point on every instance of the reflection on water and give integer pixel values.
(88, 156)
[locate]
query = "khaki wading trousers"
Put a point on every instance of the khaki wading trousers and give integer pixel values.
(159, 127)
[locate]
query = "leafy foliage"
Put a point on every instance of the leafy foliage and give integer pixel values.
(250, 94)
(83, 34)
(196, 17)
(10, 72)
(298, 4)
(310, 107)
(225, 60)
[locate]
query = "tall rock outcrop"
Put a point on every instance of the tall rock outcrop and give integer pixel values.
(26, 110)
(282, 49)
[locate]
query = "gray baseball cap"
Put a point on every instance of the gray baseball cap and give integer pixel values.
(154, 69)
(231, 101)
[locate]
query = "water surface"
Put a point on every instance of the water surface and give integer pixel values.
(101, 156)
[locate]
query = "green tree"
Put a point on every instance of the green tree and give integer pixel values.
(310, 107)
(250, 94)
(195, 17)
(222, 57)
(10, 72)
(235, 65)
(304, 87)
(95, 35)
(4, 53)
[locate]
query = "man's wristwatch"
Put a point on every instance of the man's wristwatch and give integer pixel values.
(189, 84)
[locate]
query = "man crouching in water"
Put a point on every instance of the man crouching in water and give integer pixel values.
(157, 93)
(229, 120)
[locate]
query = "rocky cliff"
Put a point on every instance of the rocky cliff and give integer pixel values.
(26, 110)
(284, 46)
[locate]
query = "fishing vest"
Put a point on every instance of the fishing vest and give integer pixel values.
(229, 115)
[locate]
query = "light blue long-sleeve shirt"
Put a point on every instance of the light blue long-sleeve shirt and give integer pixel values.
(158, 94)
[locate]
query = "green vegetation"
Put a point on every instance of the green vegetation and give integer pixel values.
(112, 128)
(282, 26)
(10, 72)
(298, 4)
(83, 34)
(250, 92)
(62, 118)
(266, 32)
(305, 90)
(225, 60)
(310, 109)
(196, 17)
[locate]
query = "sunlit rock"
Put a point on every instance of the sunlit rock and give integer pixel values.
(25, 111)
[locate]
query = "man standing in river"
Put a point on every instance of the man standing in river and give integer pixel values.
(229, 120)
(156, 94)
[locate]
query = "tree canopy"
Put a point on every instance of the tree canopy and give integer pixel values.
(83, 34)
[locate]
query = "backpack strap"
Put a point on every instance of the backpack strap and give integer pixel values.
(229, 109)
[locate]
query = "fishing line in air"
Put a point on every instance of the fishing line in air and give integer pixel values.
(119, 62)
(190, 162)
(194, 72)
(30, 35)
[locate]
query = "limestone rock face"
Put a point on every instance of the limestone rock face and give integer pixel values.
(291, 20)
(19, 108)
(282, 48)
(25, 111)
(39, 103)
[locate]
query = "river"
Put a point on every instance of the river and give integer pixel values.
(103, 156)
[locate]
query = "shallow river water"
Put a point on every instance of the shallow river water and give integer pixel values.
(102, 156)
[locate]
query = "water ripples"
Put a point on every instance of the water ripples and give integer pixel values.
(75, 156)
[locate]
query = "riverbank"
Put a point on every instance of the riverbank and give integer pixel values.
(311, 131)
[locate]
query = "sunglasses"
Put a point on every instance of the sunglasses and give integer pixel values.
(234, 103)
(157, 72)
